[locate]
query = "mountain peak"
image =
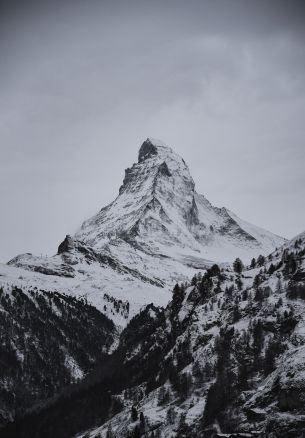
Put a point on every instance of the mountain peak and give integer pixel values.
(152, 147)
(159, 211)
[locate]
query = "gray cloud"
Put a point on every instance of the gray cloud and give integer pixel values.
(84, 83)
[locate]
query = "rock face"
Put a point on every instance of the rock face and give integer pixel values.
(66, 246)
(148, 150)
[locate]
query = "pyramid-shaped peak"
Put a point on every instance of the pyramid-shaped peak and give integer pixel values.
(158, 208)
(152, 147)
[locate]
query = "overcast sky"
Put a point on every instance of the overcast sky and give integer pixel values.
(84, 83)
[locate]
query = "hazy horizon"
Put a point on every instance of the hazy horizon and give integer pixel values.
(83, 84)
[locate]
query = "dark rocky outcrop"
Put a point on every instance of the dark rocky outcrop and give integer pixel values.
(164, 170)
(66, 246)
(147, 150)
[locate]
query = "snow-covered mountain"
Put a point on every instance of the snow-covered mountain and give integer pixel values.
(159, 212)
(157, 231)
(224, 354)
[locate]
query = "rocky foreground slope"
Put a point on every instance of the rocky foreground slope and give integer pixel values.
(226, 356)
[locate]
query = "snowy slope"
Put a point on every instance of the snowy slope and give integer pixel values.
(111, 287)
(270, 240)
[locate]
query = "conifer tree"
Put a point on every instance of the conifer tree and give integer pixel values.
(260, 260)
(257, 281)
(109, 433)
(142, 422)
(171, 415)
(238, 266)
(253, 263)
(178, 296)
(134, 414)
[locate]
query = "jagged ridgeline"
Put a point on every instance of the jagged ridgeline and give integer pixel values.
(226, 356)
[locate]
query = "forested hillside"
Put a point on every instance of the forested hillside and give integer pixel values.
(226, 355)
(48, 341)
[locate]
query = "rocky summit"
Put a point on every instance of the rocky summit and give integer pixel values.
(158, 211)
